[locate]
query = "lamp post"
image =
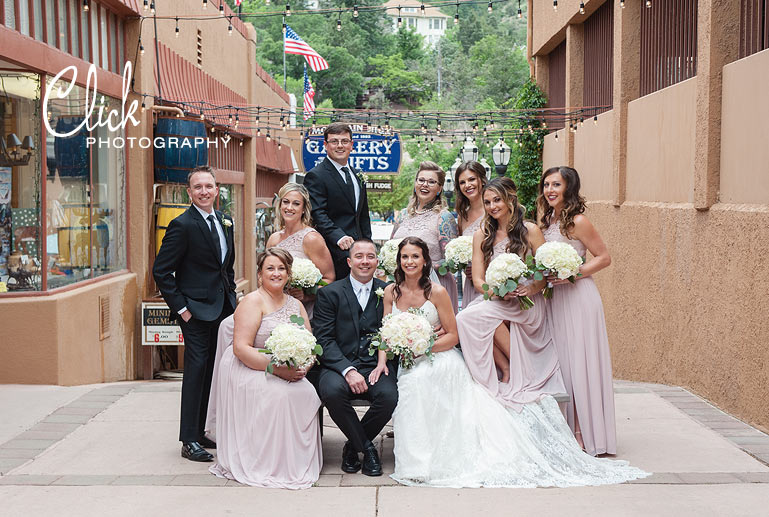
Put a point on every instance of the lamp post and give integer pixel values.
(500, 153)
(487, 167)
(469, 150)
(448, 185)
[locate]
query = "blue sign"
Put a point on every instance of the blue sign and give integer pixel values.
(372, 153)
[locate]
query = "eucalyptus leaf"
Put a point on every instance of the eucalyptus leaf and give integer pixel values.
(538, 275)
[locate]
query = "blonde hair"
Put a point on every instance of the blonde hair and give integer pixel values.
(439, 204)
(293, 187)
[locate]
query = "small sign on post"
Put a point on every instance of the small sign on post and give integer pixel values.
(379, 185)
(157, 326)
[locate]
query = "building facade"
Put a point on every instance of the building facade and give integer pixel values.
(427, 21)
(82, 203)
(675, 169)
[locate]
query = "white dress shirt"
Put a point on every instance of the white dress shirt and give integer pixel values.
(219, 230)
(355, 184)
(362, 293)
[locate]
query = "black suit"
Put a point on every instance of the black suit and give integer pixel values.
(342, 328)
(334, 213)
(189, 272)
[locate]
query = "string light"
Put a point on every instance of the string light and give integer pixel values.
(648, 3)
(152, 7)
(146, 5)
(354, 11)
(555, 5)
(595, 119)
(229, 27)
(520, 12)
(141, 47)
(268, 135)
(85, 5)
(205, 4)
(288, 10)
(582, 8)
(221, 6)
(176, 31)
(144, 106)
(258, 132)
(339, 21)
(622, 3)
(400, 20)
(490, 8)
(422, 9)
(456, 15)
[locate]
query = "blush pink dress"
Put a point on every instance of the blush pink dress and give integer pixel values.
(266, 428)
(294, 245)
(534, 370)
(577, 324)
(468, 289)
(436, 229)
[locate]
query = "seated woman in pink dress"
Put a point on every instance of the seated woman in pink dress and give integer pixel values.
(576, 314)
(296, 235)
(428, 218)
(266, 425)
(527, 357)
(470, 178)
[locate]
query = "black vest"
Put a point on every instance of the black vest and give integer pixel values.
(369, 323)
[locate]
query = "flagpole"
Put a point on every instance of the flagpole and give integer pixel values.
(284, 54)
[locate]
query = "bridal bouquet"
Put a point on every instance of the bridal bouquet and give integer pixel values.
(291, 344)
(405, 334)
(305, 275)
(459, 253)
(556, 258)
(503, 276)
(388, 256)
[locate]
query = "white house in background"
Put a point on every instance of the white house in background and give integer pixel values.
(432, 24)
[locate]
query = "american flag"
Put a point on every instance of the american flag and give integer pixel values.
(309, 94)
(293, 44)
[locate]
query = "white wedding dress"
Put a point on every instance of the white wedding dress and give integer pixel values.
(450, 432)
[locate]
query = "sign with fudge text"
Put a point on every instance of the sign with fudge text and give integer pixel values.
(373, 151)
(157, 326)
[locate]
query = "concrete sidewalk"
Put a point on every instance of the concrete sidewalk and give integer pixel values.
(111, 449)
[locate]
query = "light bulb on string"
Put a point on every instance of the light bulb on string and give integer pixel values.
(648, 3)
(85, 5)
(146, 5)
(176, 30)
(339, 21)
(258, 132)
(400, 20)
(354, 11)
(456, 15)
(205, 4)
(221, 6)
(581, 121)
(279, 145)
(622, 3)
(595, 119)
(229, 27)
(582, 8)
(556, 136)
(141, 48)
(490, 8)
(241, 143)
(555, 5)
(144, 107)
(288, 10)
(268, 135)
(520, 13)
(152, 7)
(422, 9)
(237, 121)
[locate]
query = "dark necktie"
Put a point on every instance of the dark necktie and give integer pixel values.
(349, 180)
(215, 237)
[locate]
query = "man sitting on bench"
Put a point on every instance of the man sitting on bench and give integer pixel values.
(346, 313)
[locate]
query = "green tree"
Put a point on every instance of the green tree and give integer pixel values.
(527, 162)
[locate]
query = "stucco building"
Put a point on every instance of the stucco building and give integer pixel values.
(676, 171)
(79, 223)
(427, 21)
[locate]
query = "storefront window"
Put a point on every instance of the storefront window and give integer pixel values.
(85, 193)
(20, 172)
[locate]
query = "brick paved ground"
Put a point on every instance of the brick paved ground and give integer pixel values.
(111, 450)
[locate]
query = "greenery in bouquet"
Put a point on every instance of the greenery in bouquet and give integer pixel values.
(292, 345)
(555, 259)
(388, 258)
(503, 275)
(306, 276)
(407, 335)
(459, 253)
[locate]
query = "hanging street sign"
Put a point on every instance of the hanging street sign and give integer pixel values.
(379, 185)
(373, 152)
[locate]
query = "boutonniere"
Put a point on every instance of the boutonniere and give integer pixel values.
(227, 223)
(363, 178)
(379, 295)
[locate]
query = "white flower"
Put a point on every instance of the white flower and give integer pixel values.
(379, 292)
(558, 258)
(227, 223)
(304, 274)
(388, 256)
(507, 266)
(291, 345)
(459, 252)
(407, 335)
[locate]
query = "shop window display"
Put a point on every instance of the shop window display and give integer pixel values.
(20, 172)
(85, 193)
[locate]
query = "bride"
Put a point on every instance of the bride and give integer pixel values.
(450, 432)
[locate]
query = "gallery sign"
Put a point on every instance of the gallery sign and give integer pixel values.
(373, 151)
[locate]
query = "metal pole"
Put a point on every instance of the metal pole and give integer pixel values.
(284, 55)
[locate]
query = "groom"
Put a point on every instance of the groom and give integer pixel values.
(346, 313)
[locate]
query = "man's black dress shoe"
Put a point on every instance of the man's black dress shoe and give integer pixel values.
(350, 460)
(371, 464)
(194, 452)
(206, 443)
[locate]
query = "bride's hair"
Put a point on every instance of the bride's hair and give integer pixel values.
(400, 275)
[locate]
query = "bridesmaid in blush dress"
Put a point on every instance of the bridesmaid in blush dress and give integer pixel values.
(266, 424)
(428, 218)
(576, 314)
(524, 353)
(298, 237)
(470, 178)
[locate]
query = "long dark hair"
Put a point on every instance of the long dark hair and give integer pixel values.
(462, 205)
(573, 203)
(516, 230)
(400, 275)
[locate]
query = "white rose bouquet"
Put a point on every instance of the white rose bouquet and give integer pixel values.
(459, 253)
(405, 334)
(291, 344)
(557, 259)
(305, 275)
(388, 256)
(503, 275)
